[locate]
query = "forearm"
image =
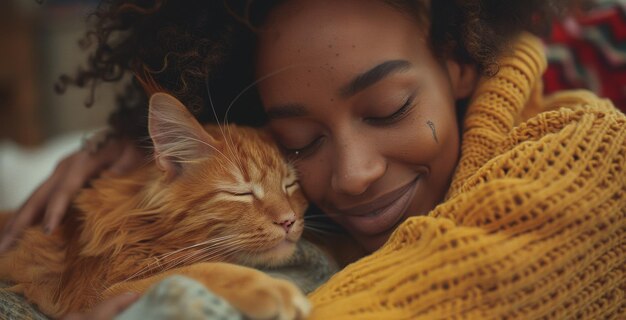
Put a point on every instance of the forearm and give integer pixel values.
(498, 104)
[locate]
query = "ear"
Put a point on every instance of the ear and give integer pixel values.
(463, 78)
(177, 136)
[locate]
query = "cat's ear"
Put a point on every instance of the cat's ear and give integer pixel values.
(177, 136)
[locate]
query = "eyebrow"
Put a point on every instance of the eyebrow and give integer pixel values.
(373, 75)
(359, 83)
(286, 111)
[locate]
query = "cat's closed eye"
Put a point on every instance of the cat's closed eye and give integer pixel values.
(290, 187)
(242, 194)
(238, 196)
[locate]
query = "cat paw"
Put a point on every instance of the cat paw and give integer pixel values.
(272, 299)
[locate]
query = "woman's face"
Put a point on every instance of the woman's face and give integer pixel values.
(366, 111)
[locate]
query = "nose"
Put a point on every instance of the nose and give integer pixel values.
(286, 224)
(357, 165)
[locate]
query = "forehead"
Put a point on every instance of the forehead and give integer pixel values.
(328, 34)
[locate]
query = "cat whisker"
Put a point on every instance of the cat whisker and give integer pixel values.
(230, 254)
(324, 229)
(229, 251)
(217, 239)
(212, 147)
(318, 230)
(183, 258)
(156, 265)
(244, 91)
(314, 216)
(209, 256)
(217, 120)
(181, 261)
(320, 224)
(252, 85)
(216, 249)
(179, 153)
(323, 215)
(229, 138)
(144, 270)
(227, 134)
(229, 144)
(158, 260)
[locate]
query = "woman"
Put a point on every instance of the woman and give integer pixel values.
(499, 212)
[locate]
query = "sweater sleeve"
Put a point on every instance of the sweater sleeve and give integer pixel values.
(537, 235)
(537, 227)
(498, 105)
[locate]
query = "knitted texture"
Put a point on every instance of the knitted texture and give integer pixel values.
(533, 225)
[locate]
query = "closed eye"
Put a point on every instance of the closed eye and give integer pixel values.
(309, 149)
(238, 194)
(243, 194)
(396, 116)
(291, 185)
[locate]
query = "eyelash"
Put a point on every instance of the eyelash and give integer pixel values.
(396, 116)
(393, 118)
(239, 194)
(304, 151)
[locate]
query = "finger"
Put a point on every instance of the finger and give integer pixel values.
(56, 210)
(131, 158)
(82, 168)
(32, 208)
(114, 306)
(5, 240)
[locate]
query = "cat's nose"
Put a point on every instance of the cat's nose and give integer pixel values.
(286, 224)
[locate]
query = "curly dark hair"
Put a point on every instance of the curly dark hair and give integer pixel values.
(191, 46)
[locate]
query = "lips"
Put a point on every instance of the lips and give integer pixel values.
(381, 214)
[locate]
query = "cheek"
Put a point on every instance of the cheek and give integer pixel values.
(424, 139)
(434, 138)
(314, 175)
(434, 127)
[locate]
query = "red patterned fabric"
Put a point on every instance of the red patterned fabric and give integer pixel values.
(590, 52)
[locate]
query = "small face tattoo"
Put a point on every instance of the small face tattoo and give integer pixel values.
(431, 125)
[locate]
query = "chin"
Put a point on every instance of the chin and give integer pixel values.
(371, 244)
(277, 255)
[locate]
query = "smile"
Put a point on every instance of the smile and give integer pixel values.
(383, 213)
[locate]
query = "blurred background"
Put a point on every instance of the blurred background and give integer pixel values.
(39, 42)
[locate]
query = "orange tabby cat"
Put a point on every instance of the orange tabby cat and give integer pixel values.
(208, 196)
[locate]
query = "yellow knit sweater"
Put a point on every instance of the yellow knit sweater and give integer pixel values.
(533, 225)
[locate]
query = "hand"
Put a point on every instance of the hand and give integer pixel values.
(52, 198)
(107, 309)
